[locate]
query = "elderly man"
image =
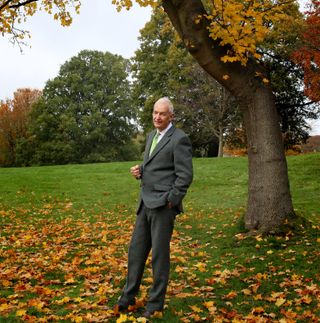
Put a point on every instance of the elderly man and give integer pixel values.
(165, 174)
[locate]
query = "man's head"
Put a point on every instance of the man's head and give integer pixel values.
(162, 113)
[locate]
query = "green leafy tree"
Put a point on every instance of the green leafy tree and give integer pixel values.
(293, 106)
(287, 78)
(84, 114)
(207, 110)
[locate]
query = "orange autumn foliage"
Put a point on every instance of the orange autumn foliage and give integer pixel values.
(308, 54)
(13, 122)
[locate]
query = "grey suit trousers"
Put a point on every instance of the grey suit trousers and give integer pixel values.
(153, 229)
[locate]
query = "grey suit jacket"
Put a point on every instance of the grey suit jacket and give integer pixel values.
(168, 172)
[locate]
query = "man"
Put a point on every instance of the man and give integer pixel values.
(165, 174)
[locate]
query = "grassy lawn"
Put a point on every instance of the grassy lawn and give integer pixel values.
(64, 232)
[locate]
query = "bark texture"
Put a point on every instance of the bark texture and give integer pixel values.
(269, 199)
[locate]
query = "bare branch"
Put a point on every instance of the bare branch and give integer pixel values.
(20, 4)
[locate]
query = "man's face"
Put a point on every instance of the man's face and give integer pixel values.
(161, 116)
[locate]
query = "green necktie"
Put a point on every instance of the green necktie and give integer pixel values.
(154, 142)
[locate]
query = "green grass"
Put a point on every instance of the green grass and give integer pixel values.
(218, 183)
(85, 185)
(64, 232)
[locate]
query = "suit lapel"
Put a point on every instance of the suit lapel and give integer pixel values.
(166, 138)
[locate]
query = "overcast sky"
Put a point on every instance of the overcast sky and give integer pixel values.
(98, 27)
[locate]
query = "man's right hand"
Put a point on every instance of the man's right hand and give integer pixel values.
(135, 171)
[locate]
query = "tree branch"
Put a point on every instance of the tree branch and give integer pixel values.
(5, 4)
(208, 52)
(20, 4)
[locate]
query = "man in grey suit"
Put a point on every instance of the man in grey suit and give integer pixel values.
(165, 174)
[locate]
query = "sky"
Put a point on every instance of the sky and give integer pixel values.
(98, 27)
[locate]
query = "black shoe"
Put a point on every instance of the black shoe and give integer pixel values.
(122, 308)
(119, 308)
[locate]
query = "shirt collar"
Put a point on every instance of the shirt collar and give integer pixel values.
(163, 132)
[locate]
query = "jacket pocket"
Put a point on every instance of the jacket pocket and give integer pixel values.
(162, 187)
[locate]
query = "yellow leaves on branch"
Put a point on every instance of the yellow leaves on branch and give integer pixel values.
(15, 12)
(127, 4)
(243, 25)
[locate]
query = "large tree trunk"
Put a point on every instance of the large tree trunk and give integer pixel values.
(269, 199)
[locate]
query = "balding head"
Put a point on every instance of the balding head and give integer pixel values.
(162, 113)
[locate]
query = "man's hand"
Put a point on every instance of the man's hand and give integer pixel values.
(135, 171)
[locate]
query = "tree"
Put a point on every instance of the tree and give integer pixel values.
(223, 37)
(308, 53)
(286, 79)
(292, 105)
(14, 119)
(206, 110)
(6, 135)
(84, 114)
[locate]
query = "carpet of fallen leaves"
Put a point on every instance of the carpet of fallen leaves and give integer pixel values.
(58, 264)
